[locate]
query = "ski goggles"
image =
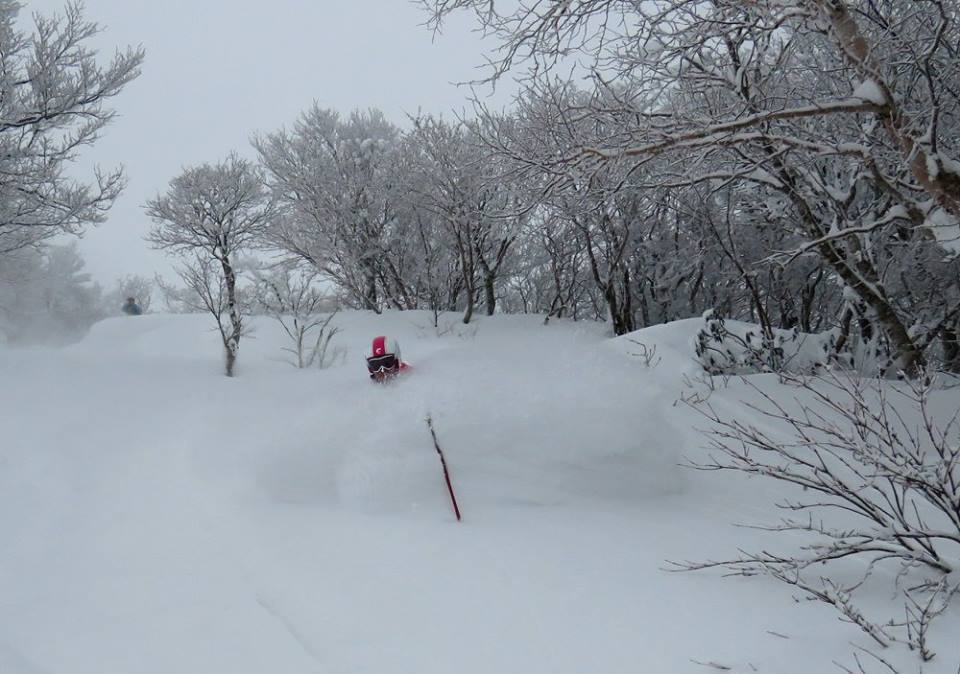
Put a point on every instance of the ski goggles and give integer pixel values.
(380, 363)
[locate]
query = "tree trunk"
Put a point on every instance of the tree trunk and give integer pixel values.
(231, 359)
(644, 306)
(808, 296)
(621, 308)
(489, 281)
(490, 294)
(370, 294)
(468, 312)
(909, 358)
(695, 289)
(951, 349)
(232, 342)
(846, 320)
(467, 270)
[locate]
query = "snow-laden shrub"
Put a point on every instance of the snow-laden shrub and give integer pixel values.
(733, 347)
(292, 298)
(870, 477)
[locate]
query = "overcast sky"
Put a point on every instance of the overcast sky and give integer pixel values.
(217, 71)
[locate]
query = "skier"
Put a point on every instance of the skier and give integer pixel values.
(131, 308)
(384, 361)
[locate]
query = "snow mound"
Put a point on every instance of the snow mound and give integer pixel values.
(527, 413)
(668, 347)
(693, 346)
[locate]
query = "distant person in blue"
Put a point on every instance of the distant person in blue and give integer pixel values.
(131, 308)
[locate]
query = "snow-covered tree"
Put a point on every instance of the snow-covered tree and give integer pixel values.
(842, 113)
(53, 104)
(340, 198)
(456, 184)
(208, 216)
(45, 296)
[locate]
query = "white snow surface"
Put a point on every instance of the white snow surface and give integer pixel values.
(870, 91)
(946, 228)
(158, 517)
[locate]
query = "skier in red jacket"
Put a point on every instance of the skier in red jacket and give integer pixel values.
(384, 361)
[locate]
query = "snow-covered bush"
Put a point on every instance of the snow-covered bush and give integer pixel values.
(303, 311)
(733, 347)
(646, 354)
(877, 479)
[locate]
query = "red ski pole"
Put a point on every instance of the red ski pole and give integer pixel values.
(443, 462)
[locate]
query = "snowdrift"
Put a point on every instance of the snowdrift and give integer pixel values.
(694, 346)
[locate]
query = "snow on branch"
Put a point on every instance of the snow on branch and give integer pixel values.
(725, 133)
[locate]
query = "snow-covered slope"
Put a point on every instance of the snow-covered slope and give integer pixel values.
(158, 517)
